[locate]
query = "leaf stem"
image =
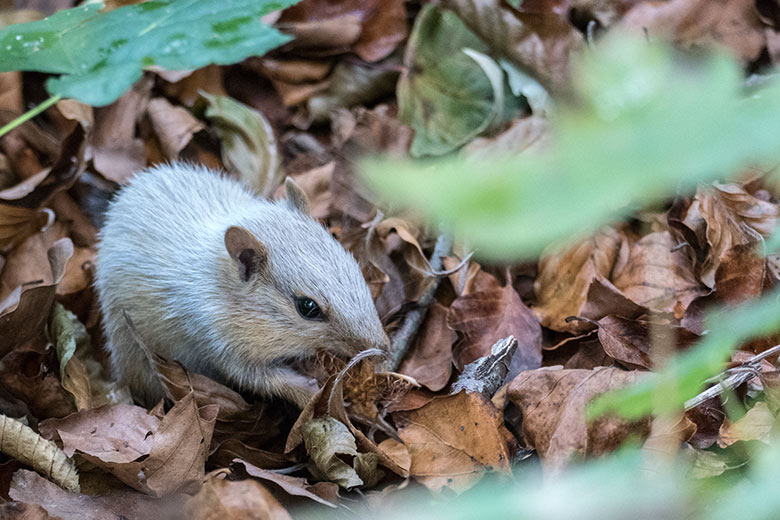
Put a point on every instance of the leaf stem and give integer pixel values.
(29, 114)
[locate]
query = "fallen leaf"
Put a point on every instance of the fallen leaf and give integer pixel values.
(173, 125)
(162, 457)
(565, 278)
(757, 424)
(22, 511)
(249, 147)
(741, 275)
(221, 499)
(485, 317)
(429, 360)
(453, 441)
(382, 24)
(28, 487)
(655, 274)
(553, 402)
(696, 23)
(325, 439)
(326, 493)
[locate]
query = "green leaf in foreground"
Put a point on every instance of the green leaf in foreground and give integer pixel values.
(685, 375)
(100, 55)
(648, 121)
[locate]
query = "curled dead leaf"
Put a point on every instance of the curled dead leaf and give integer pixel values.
(22, 443)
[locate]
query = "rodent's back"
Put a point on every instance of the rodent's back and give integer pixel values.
(162, 259)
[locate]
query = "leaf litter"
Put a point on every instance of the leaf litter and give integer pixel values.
(589, 324)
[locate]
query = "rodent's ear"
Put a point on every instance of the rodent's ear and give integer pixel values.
(296, 197)
(247, 250)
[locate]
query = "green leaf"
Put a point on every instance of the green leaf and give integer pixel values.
(444, 94)
(249, 146)
(685, 375)
(648, 121)
(100, 55)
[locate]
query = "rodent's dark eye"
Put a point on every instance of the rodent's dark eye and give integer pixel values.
(308, 308)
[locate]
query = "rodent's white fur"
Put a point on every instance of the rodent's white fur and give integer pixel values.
(162, 258)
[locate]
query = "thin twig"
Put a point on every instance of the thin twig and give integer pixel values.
(732, 378)
(29, 114)
(414, 318)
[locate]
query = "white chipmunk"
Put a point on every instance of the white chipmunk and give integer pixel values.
(230, 285)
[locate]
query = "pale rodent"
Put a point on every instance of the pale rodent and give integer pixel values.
(218, 279)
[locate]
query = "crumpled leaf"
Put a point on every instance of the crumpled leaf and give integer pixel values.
(25, 311)
(553, 403)
(174, 126)
(453, 441)
(249, 146)
(565, 278)
(381, 24)
(154, 456)
(229, 500)
(484, 317)
(429, 360)
(69, 335)
(655, 274)
(696, 23)
(326, 493)
(723, 216)
(101, 54)
(30, 488)
(19, 441)
(325, 439)
(758, 424)
(542, 41)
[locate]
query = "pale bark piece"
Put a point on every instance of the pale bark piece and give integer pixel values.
(565, 277)
(654, 274)
(454, 440)
(485, 317)
(221, 499)
(23, 444)
(429, 361)
(30, 488)
(553, 402)
(697, 23)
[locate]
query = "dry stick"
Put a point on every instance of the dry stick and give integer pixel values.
(739, 375)
(414, 318)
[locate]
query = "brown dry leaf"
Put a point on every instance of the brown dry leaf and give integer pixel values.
(377, 130)
(11, 99)
(565, 278)
(29, 376)
(291, 70)
(696, 23)
(326, 493)
(429, 361)
(23, 444)
(628, 341)
(485, 317)
(221, 499)
(654, 274)
(116, 152)
(161, 458)
(25, 311)
(236, 419)
(727, 216)
(23, 511)
(758, 424)
(188, 90)
(527, 135)
(16, 224)
(453, 441)
(741, 275)
(30, 488)
(77, 111)
(542, 41)
(381, 25)
(223, 453)
(553, 403)
(174, 126)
